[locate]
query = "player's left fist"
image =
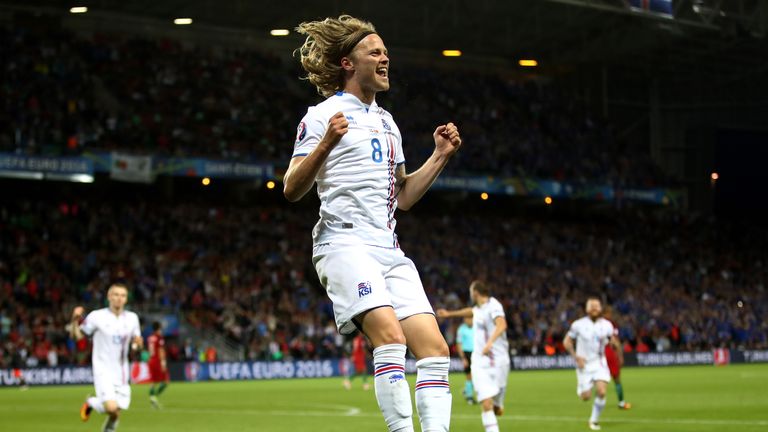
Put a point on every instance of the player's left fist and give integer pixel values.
(447, 139)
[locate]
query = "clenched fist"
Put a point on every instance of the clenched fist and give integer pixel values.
(338, 126)
(447, 139)
(77, 313)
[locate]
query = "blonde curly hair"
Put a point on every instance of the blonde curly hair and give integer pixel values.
(328, 41)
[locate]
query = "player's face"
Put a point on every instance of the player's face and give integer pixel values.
(594, 308)
(117, 297)
(468, 321)
(371, 64)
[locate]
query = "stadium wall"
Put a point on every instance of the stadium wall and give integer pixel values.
(246, 371)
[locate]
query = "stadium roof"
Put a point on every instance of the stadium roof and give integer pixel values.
(710, 39)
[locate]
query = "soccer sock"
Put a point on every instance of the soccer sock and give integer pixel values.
(161, 389)
(489, 421)
(433, 394)
(110, 425)
(96, 404)
(498, 400)
(620, 392)
(152, 390)
(392, 392)
(597, 409)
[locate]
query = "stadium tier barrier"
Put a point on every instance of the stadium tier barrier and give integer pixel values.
(262, 370)
(144, 169)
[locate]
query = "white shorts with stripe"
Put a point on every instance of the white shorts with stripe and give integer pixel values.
(107, 389)
(585, 378)
(358, 278)
(490, 378)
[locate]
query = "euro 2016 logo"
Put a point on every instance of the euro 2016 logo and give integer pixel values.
(363, 289)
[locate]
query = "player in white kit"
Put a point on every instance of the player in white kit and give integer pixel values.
(591, 334)
(115, 331)
(352, 149)
(490, 358)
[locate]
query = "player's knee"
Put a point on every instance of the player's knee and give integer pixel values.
(600, 393)
(487, 404)
(387, 336)
(585, 396)
(111, 408)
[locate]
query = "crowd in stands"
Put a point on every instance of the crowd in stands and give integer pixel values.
(245, 273)
(67, 94)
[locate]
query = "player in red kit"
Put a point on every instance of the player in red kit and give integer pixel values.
(359, 362)
(614, 364)
(158, 366)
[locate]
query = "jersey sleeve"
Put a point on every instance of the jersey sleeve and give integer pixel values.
(89, 324)
(136, 326)
(573, 332)
(496, 310)
(309, 132)
(399, 154)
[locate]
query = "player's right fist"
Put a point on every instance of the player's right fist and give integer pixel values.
(78, 312)
(441, 313)
(338, 126)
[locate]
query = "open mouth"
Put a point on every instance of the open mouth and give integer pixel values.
(382, 72)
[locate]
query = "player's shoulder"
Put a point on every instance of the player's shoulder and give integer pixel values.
(606, 323)
(97, 313)
(580, 322)
(132, 315)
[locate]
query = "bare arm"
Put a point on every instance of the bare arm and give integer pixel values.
(568, 344)
(302, 171)
(413, 186)
(501, 327)
(616, 343)
(460, 313)
(74, 328)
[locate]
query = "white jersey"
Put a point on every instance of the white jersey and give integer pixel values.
(591, 338)
(112, 336)
(356, 184)
(483, 323)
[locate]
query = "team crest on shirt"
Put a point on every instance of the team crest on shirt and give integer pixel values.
(363, 289)
(351, 120)
(301, 131)
(386, 125)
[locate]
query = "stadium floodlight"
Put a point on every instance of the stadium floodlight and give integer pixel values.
(78, 9)
(182, 21)
(451, 53)
(484, 196)
(270, 184)
(279, 32)
(715, 176)
(548, 200)
(528, 63)
(206, 181)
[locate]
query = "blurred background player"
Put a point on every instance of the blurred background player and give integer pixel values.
(591, 334)
(115, 332)
(17, 364)
(615, 361)
(464, 344)
(158, 366)
(353, 149)
(490, 358)
(359, 363)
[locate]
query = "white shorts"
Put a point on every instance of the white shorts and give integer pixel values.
(490, 381)
(361, 278)
(107, 389)
(585, 378)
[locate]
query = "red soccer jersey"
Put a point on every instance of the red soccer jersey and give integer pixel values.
(358, 349)
(155, 342)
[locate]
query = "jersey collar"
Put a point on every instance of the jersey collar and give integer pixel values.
(353, 99)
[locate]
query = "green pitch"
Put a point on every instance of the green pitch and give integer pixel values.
(696, 399)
